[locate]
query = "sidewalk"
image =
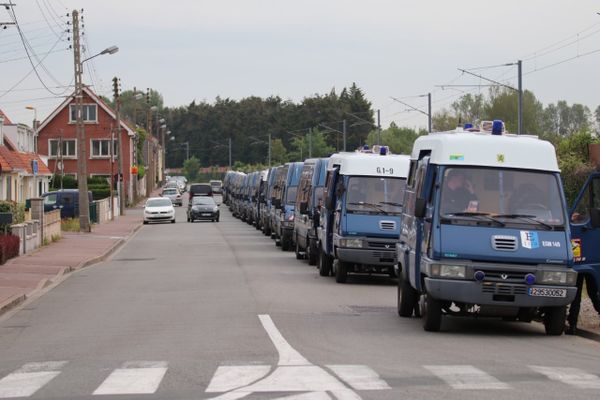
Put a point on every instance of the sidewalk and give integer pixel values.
(23, 276)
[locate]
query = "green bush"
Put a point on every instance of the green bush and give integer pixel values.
(17, 210)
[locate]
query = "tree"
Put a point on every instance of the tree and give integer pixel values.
(278, 152)
(191, 167)
(318, 144)
(400, 140)
(444, 120)
(469, 107)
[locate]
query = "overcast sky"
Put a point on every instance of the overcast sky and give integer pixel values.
(197, 49)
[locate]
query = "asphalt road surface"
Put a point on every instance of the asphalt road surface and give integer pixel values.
(215, 310)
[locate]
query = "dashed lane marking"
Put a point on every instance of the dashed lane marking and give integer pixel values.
(570, 376)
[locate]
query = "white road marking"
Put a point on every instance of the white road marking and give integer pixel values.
(287, 354)
(139, 377)
(29, 379)
(307, 378)
(360, 377)
(232, 377)
(466, 377)
(307, 396)
(570, 376)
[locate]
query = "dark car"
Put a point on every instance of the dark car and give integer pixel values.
(203, 208)
(67, 200)
(200, 189)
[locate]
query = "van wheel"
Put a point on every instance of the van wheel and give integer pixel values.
(341, 271)
(311, 253)
(554, 320)
(324, 264)
(299, 255)
(286, 243)
(431, 311)
(172, 221)
(145, 222)
(407, 298)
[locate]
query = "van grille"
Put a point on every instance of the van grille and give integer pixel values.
(387, 225)
(504, 243)
(504, 289)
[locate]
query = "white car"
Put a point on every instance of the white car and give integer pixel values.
(159, 209)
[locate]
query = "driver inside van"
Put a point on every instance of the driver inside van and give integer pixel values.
(458, 194)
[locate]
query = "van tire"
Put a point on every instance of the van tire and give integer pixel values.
(554, 320)
(311, 253)
(299, 255)
(431, 311)
(408, 298)
(341, 271)
(324, 264)
(286, 242)
(145, 222)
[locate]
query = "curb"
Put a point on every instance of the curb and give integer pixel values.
(12, 303)
(588, 334)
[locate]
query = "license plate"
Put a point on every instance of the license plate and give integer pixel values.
(546, 292)
(205, 214)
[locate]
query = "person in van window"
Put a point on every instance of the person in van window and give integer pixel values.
(458, 194)
(357, 193)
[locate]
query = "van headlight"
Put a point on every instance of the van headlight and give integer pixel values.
(448, 271)
(356, 243)
(559, 277)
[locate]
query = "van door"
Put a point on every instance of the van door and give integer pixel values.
(327, 217)
(421, 227)
(585, 228)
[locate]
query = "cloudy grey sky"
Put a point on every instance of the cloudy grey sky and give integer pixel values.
(198, 49)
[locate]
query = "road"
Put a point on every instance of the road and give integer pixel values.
(215, 310)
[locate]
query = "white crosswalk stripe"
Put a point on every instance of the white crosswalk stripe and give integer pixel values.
(466, 377)
(29, 379)
(136, 377)
(571, 376)
(360, 377)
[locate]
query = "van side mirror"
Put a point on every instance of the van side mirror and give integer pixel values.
(303, 207)
(595, 217)
(420, 207)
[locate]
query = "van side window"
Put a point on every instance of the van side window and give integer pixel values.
(66, 200)
(589, 200)
(50, 199)
(411, 174)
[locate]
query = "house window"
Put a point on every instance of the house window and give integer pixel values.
(101, 148)
(90, 113)
(69, 148)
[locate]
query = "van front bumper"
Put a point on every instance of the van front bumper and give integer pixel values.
(367, 256)
(495, 293)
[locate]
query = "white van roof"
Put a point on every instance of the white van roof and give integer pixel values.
(365, 164)
(484, 149)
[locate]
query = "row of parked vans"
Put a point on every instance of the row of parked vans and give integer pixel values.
(473, 223)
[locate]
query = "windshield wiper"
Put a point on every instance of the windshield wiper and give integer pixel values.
(374, 206)
(526, 217)
(483, 215)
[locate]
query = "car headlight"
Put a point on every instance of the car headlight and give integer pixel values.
(559, 277)
(215, 209)
(356, 243)
(448, 271)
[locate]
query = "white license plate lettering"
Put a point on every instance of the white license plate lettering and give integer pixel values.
(547, 292)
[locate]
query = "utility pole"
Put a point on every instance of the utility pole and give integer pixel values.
(344, 134)
(429, 122)
(378, 127)
(309, 143)
(119, 147)
(84, 201)
(111, 152)
(269, 149)
(229, 151)
(187, 151)
(520, 89)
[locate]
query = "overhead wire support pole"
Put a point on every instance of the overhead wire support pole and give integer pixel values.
(520, 115)
(427, 113)
(429, 117)
(344, 134)
(379, 127)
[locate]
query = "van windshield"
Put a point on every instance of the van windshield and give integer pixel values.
(374, 194)
(290, 197)
(506, 195)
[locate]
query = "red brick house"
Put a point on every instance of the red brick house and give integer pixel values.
(100, 122)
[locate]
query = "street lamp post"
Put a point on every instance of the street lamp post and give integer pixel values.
(84, 203)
